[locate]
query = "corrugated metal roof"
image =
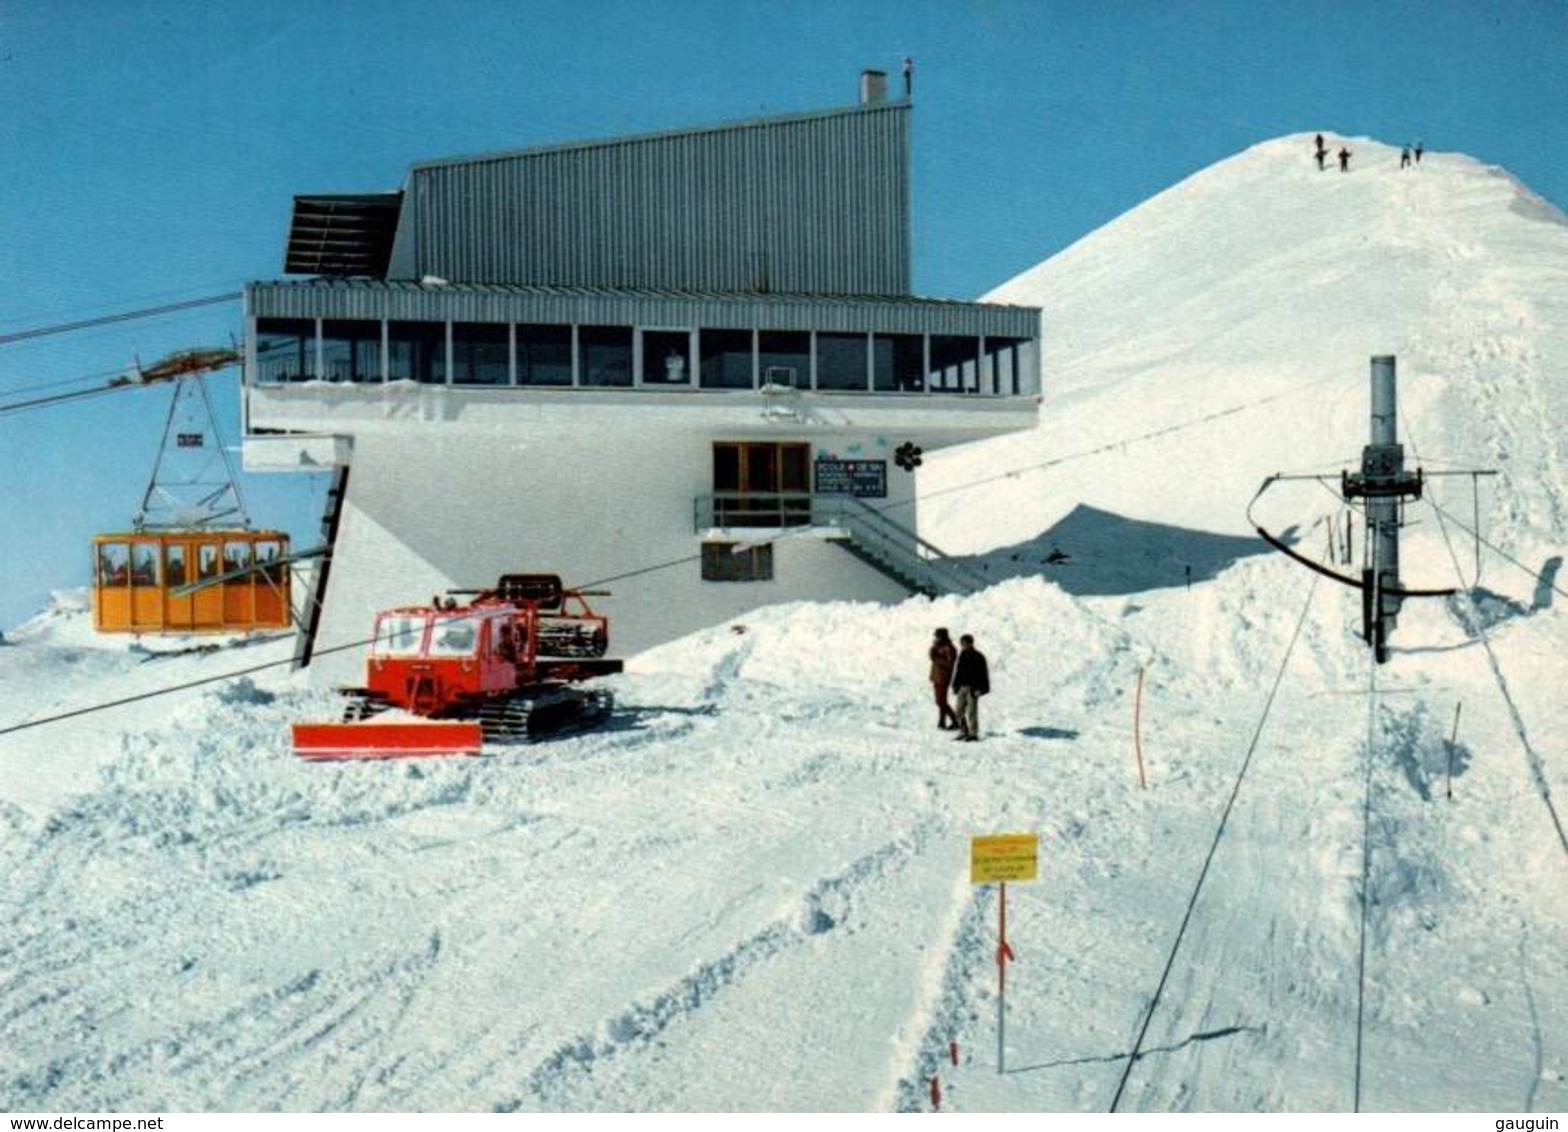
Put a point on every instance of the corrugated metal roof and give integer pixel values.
(810, 202)
(660, 135)
(639, 306)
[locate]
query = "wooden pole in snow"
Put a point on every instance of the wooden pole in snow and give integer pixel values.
(1137, 727)
(1452, 745)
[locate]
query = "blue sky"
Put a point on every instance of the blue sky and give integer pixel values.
(149, 152)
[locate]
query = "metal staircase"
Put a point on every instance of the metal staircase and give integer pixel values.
(862, 530)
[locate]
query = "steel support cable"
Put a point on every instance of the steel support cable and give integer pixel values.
(64, 398)
(1444, 513)
(123, 316)
(1208, 860)
(1537, 767)
(633, 573)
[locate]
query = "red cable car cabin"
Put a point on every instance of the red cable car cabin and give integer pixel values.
(138, 579)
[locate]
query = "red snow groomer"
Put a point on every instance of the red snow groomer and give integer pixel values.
(504, 666)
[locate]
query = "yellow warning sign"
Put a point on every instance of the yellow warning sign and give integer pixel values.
(1007, 856)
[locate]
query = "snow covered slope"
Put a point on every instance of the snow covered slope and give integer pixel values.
(751, 890)
(1221, 332)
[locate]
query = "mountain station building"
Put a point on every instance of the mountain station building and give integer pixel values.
(686, 367)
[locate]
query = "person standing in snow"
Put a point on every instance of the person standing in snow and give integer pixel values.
(1322, 152)
(1344, 160)
(944, 655)
(1418, 151)
(1404, 158)
(971, 680)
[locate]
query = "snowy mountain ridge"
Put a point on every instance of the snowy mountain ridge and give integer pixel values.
(1259, 288)
(750, 891)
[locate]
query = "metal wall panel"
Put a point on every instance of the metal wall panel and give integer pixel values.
(812, 203)
(587, 306)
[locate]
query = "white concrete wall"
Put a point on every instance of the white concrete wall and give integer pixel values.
(454, 506)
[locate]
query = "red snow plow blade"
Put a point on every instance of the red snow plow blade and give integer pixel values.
(321, 742)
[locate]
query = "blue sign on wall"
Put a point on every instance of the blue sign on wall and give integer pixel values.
(864, 479)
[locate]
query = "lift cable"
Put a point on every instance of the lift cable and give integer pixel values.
(64, 398)
(1444, 513)
(63, 382)
(1532, 757)
(1208, 860)
(123, 316)
(656, 567)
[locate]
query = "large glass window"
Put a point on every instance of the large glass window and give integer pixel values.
(351, 350)
(416, 351)
(1004, 366)
(606, 354)
(481, 353)
(721, 562)
(841, 361)
(285, 349)
(761, 484)
(544, 354)
(955, 364)
(785, 357)
(666, 357)
(899, 363)
(726, 359)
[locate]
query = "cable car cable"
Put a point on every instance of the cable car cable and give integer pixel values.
(123, 316)
(1208, 860)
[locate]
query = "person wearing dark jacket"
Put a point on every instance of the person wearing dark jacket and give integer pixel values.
(971, 680)
(943, 656)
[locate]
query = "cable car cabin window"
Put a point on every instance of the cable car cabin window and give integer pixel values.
(267, 559)
(113, 564)
(399, 635)
(174, 565)
(144, 564)
(722, 563)
(457, 637)
(236, 556)
(206, 561)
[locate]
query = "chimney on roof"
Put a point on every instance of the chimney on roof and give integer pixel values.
(873, 88)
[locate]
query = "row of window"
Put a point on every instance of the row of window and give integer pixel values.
(470, 353)
(140, 564)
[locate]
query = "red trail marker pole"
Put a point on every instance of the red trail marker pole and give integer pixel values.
(1004, 955)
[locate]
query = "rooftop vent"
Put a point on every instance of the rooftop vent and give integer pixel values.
(873, 88)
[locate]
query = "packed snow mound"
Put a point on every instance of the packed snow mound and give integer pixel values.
(1221, 332)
